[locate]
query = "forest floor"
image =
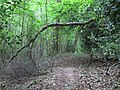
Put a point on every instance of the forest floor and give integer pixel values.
(69, 73)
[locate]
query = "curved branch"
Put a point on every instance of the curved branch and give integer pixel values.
(47, 26)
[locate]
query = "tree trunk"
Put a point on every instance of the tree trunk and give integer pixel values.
(56, 36)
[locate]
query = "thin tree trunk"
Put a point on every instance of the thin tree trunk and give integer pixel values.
(56, 36)
(46, 12)
(23, 20)
(76, 39)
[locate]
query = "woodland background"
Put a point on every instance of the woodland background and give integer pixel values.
(21, 20)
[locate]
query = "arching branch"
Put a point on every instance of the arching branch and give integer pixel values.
(47, 26)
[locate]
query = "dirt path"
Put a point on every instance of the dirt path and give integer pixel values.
(63, 78)
(72, 74)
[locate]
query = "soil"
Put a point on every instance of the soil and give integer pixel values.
(69, 73)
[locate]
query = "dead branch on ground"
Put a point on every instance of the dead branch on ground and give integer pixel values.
(109, 68)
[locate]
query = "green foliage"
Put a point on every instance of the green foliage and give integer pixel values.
(21, 19)
(71, 10)
(109, 34)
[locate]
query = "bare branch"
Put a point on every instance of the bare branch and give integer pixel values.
(47, 26)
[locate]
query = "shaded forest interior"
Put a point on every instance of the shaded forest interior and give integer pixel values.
(60, 45)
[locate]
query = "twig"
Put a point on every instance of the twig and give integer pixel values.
(109, 68)
(47, 26)
(90, 59)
